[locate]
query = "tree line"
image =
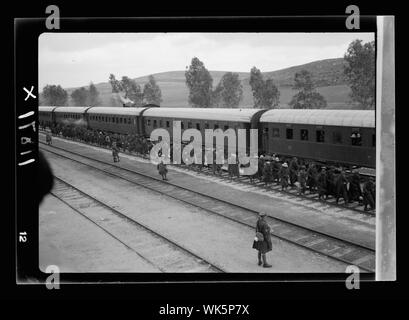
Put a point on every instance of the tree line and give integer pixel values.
(359, 72)
(55, 95)
(151, 93)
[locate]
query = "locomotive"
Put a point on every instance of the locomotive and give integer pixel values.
(341, 137)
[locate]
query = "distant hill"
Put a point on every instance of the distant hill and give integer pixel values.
(327, 75)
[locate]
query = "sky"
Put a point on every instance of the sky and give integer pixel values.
(76, 59)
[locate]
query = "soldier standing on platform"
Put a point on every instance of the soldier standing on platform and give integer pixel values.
(302, 179)
(354, 187)
(293, 171)
(262, 242)
(275, 170)
(322, 183)
(312, 177)
(162, 170)
(369, 194)
(284, 176)
(115, 152)
(267, 173)
(341, 187)
(48, 138)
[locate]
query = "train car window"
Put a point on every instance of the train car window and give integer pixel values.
(120, 120)
(129, 120)
(216, 126)
(304, 134)
(373, 140)
(148, 122)
(356, 138)
(265, 130)
(182, 125)
(198, 126)
(226, 128)
(337, 137)
(167, 124)
(289, 133)
(154, 123)
(206, 125)
(189, 125)
(276, 133)
(320, 135)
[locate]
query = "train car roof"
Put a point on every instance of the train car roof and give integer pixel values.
(71, 109)
(45, 108)
(343, 118)
(128, 111)
(217, 114)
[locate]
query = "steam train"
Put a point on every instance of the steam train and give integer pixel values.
(342, 137)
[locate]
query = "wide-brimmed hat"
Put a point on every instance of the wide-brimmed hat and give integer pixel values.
(285, 165)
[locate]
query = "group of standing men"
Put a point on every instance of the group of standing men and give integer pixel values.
(325, 181)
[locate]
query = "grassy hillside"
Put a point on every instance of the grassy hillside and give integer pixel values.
(327, 75)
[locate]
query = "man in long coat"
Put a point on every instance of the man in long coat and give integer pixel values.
(322, 183)
(312, 177)
(369, 194)
(293, 171)
(302, 179)
(275, 169)
(284, 176)
(265, 245)
(267, 173)
(341, 187)
(354, 187)
(162, 170)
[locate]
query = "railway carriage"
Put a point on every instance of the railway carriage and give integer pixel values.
(201, 119)
(46, 116)
(345, 137)
(338, 136)
(71, 115)
(117, 120)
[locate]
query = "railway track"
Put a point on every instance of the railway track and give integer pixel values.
(159, 251)
(323, 243)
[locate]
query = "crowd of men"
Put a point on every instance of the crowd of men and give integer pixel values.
(325, 181)
(119, 142)
(304, 176)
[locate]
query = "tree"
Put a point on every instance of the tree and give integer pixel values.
(200, 84)
(152, 92)
(230, 90)
(93, 96)
(265, 94)
(307, 97)
(80, 96)
(132, 90)
(215, 96)
(55, 95)
(271, 95)
(360, 72)
(256, 83)
(115, 84)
